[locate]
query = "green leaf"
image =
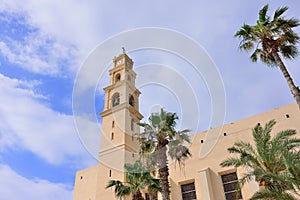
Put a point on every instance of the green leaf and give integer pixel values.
(279, 12)
(263, 13)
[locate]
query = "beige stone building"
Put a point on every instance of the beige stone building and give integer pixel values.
(202, 178)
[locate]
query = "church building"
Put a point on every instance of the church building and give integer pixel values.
(202, 177)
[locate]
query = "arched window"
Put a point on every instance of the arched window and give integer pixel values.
(116, 99)
(117, 78)
(131, 100)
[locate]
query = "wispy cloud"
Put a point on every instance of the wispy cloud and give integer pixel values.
(69, 21)
(14, 186)
(29, 48)
(29, 124)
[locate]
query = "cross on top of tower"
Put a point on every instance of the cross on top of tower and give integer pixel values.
(124, 51)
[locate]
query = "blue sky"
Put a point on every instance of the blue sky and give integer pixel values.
(44, 43)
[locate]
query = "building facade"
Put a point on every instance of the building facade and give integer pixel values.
(202, 178)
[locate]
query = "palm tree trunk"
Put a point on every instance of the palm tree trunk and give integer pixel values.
(295, 90)
(163, 172)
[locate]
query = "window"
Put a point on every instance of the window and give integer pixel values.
(109, 173)
(117, 78)
(116, 99)
(230, 185)
(287, 116)
(131, 100)
(112, 136)
(188, 191)
(113, 124)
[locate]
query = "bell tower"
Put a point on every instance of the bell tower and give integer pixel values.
(120, 115)
(118, 144)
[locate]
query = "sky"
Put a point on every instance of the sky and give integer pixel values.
(45, 45)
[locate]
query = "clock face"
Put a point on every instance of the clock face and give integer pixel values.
(119, 62)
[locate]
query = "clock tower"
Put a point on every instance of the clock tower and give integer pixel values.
(118, 144)
(120, 115)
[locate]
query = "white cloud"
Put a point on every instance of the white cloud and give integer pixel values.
(39, 53)
(28, 124)
(15, 187)
(70, 21)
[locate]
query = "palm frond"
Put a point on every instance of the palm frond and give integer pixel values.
(245, 32)
(112, 183)
(246, 146)
(292, 23)
(247, 46)
(289, 51)
(284, 135)
(255, 55)
(183, 136)
(236, 162)
(271, 194)
(120, 189)
(263, 13)
(269, 126)
(279, 12)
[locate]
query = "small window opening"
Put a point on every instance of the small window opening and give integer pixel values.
(81, 177)
(225, 134)
(258, 124)
(131, 100)
(112, 135)
(113, 124)
(118, 77)
(109, 173)
(133, 155)
(287, 116)
(201, 141)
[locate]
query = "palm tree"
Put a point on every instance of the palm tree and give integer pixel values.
(137, 179)
(272, 162)
(272, 195)
(272, 38)
(159, 137)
